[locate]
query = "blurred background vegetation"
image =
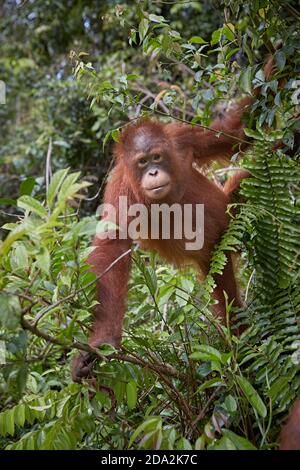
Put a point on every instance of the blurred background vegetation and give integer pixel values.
(75, 73)
(45, 102)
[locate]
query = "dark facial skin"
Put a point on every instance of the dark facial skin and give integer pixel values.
(149, 161)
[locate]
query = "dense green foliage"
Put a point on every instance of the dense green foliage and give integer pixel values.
(75, 75)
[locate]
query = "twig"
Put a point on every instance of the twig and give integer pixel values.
(164, 317)
(248, 285)
(149, 94)
(48, 165)
(205, 408)
(160, 369)
(216, 131)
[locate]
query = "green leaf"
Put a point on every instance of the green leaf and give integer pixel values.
(240, 442)
(32, 205)
(143, 28)
(60, 407)
(151, 424)
(106, 349)
(216, 36)
(27, 186)
(206, 353)
(115, 135)
(278, 386)
(210, 383)
(131, 392)
(105, 86)
(228, 31)
(231, 53)
(157, 19)
(246, 80)
(19, 415)
(106, 139)
(198, 40)
(62, 143)
(183, 444)
(21, 256)
(230, 404)
(252, 396)
(254, 134)
(55, 184)
(222, 444)
(8, 422)
(200, 443)
(5, 201)
(132, 76)
(280, 60)
(43, 260)
(21, 379)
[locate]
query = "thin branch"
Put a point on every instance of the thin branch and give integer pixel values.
(48, 165)
(216, 131)
(160, 369)
(206, 406)
(149, 94)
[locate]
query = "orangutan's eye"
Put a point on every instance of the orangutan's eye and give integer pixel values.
(157, 158)
(142, 163)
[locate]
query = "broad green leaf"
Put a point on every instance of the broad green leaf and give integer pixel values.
(115, 135)
(252, 396)
(43, 260)
(132, 76)
(30, 204)
(106, 349)
(200, 443)
(228, 31)
(19, 415)
(222, 444)
(27, 186)
(210, 383)
(280, 60)
(277, 387)
(143, 28)
(156, 19)
(5, 201)
(149, 425)
(183, 444)
(216, 36)
(55, 184)
(206, 353)
(240, 442)
(230, 403)
(14, 235)
(198, 40)
(254, 134)
(21, 256)
(61, 405)
(131, 392)
(8, 422)
(246, 80)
